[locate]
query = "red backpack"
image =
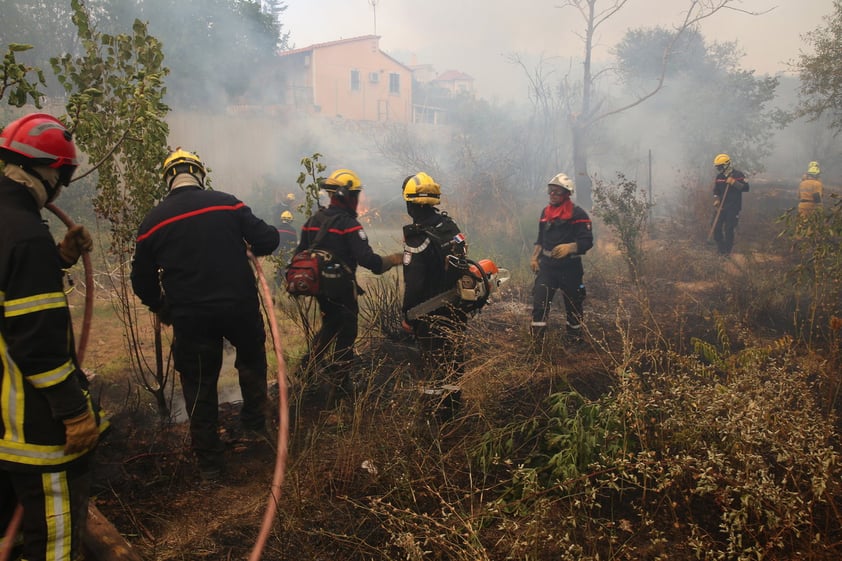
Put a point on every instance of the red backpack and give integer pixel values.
(304, 273)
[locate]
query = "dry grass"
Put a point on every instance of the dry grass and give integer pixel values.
(640, 444)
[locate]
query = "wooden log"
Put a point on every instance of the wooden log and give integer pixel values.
(102, 542)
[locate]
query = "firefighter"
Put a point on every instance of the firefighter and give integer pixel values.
(48, 425)
(191, 268)
(283, 205)
(433, 246)
(810, 190)
(564, 235)
(332, 347)
(288, 235)
(728, 192)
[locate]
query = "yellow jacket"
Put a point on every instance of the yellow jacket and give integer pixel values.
(809, 194)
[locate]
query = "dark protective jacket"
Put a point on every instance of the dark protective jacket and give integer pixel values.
(288, 239)
(427, 243)
(345, 239)
(733, 199)
(195, 241)
(40, 379)
(553, 231)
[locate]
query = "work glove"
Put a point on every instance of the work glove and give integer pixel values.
(534, 264)
(562, 250)
(730, 181)
(80, 432)
(392, 260)
(76, 241)
(715, 203)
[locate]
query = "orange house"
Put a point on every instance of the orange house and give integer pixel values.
(455, 82)
(349, 78)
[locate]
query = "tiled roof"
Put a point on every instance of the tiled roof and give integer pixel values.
(327, 44)
(451, 76)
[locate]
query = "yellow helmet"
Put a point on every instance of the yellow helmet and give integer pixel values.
(291, 197)
(342, 181)
(813, 169)
(286, 216)
(722, 163)
(182, 161)
(421, 189)
(561, 180)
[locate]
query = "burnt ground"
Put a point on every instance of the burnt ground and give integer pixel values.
(147, 483)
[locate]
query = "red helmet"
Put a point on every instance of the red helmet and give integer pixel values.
(39, 139)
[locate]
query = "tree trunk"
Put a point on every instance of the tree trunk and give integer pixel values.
(580, 167)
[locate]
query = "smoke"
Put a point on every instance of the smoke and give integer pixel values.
(256, 155)
(476, 36)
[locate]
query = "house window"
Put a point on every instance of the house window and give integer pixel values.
(394, 83)
(374, 77)
(355, 80)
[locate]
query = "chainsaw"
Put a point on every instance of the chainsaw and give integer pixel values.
(473, 288)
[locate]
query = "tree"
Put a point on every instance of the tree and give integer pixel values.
(546, 142)
(821, 72)
(709, 104)
(624, 209)
(115, 88)
(586, 107)
(217, 50)
(45, 25)
(19, 82)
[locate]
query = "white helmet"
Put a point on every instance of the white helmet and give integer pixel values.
(561, 180)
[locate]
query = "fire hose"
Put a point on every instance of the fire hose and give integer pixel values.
(17, 517)
(283, 427)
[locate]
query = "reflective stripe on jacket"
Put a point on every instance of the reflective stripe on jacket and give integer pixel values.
(40, 380)
(193, 244)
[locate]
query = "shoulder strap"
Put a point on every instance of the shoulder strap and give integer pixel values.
(323, 230)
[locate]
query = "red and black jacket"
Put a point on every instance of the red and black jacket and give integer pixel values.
(730, 197)
(560, 225)
(195, 241)
(345, 239)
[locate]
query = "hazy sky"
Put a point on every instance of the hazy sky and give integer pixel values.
(474, 36)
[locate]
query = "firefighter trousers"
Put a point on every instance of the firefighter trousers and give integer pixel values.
(55, 510)
(197, 352)
(567, 279)
(723, 230)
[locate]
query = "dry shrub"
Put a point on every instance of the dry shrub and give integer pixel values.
(731, 456)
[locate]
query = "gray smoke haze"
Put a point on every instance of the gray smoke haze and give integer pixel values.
(249, 153)
(475, 36)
